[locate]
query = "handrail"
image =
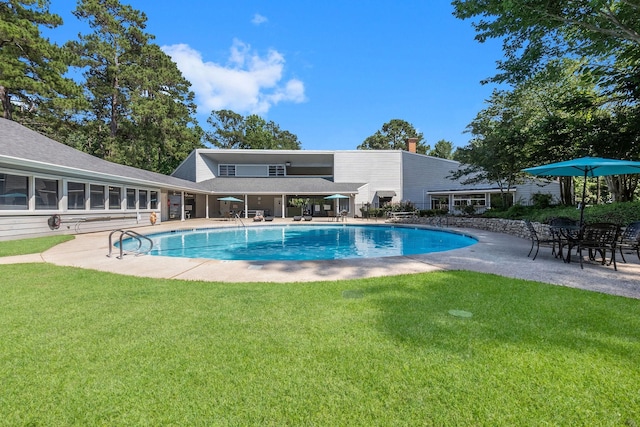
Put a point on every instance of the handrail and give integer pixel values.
(137, 236)
(80, 220)
(237, 216)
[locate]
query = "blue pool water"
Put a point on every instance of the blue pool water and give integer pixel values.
(296, 243)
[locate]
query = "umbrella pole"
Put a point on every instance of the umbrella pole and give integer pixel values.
(584, 196)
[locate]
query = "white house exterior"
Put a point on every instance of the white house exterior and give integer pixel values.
(268, 179)
(45, 183)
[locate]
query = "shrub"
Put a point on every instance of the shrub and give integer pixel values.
(541, 201)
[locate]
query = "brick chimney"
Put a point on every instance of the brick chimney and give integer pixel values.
(412, 143)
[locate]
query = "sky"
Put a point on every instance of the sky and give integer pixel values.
(331, 72)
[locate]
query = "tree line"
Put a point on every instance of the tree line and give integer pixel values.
(572, 75)
(128, 102)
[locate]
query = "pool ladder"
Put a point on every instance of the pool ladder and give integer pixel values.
(140, 238)
(237, 216)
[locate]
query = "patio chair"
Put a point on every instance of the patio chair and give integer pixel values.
(565, 232)
(307, 217)
(537, 241)
(259, 216)
(630, 240)
(599, 238)
(297, 218)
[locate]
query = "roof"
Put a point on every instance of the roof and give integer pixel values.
(279, 185)
(23, 147)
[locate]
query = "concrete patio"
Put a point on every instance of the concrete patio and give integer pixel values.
(495, 253)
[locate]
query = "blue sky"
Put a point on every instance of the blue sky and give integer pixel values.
(331, 72)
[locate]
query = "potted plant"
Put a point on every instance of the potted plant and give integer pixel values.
(299, 204)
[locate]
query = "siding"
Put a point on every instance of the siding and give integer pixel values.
(30, 226)
(525, 191)
(424, 173)
(381, 169)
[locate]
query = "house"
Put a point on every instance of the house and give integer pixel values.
(49, 188)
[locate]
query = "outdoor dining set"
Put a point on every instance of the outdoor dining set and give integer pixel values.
(596, 238)
(567, 236)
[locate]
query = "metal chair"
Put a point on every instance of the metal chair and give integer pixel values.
(599, 237)
(630, 239)
(536, 241)
(564, 231)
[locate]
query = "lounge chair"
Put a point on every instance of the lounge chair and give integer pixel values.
(297, 218)
(259, 216)
(268, 218)
(307, 217)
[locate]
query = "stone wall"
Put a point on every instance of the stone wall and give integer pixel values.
(498, 225)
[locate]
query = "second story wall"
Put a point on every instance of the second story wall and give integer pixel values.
(381, 169)
(425, 173)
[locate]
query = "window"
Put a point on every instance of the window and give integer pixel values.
(154, 200)
(227, 170)
(131, 198)
(276, 170)
(14, 192)
(439, 202)
(97, 196)
(46, 193)
(142, 198)
(115, 197)
(469, 199)
(75, 195)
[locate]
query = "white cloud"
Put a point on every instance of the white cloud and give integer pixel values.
(258, 19)
(249, 83)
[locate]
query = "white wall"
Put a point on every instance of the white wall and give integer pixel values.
(382, 169)
(424, 173)
(525, 191)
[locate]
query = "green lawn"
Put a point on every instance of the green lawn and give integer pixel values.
(31, 246)
(79, 347)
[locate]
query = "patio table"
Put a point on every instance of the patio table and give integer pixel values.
(569, 236)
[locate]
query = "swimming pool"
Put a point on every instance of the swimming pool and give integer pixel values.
(300, 242)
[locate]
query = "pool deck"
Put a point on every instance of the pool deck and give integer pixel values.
(496, 253)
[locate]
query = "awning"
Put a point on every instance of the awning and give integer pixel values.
(385, 193)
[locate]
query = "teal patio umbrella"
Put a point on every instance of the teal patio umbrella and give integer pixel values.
(230, 199)
(587, 167)
(337, 197)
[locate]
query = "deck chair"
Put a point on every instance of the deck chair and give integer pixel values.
(259, 216)
(630, 239)
(537, 241)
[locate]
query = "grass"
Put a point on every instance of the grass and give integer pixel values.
(80, 347)
(31, 246)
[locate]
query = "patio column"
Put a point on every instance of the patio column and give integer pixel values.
(284, 207)
(246, 206)
(182, 206)
(206, 206)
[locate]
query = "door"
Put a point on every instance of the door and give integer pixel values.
(277, 207)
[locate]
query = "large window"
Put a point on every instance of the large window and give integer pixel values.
(469, 199)
(14, 191)
(131, 198)
(97, 196)
(46, 193)
(440, 202)
(115, 197)
(76, 195)
(227, 170)
(142, 199)
(154, 200)
(276, 170)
